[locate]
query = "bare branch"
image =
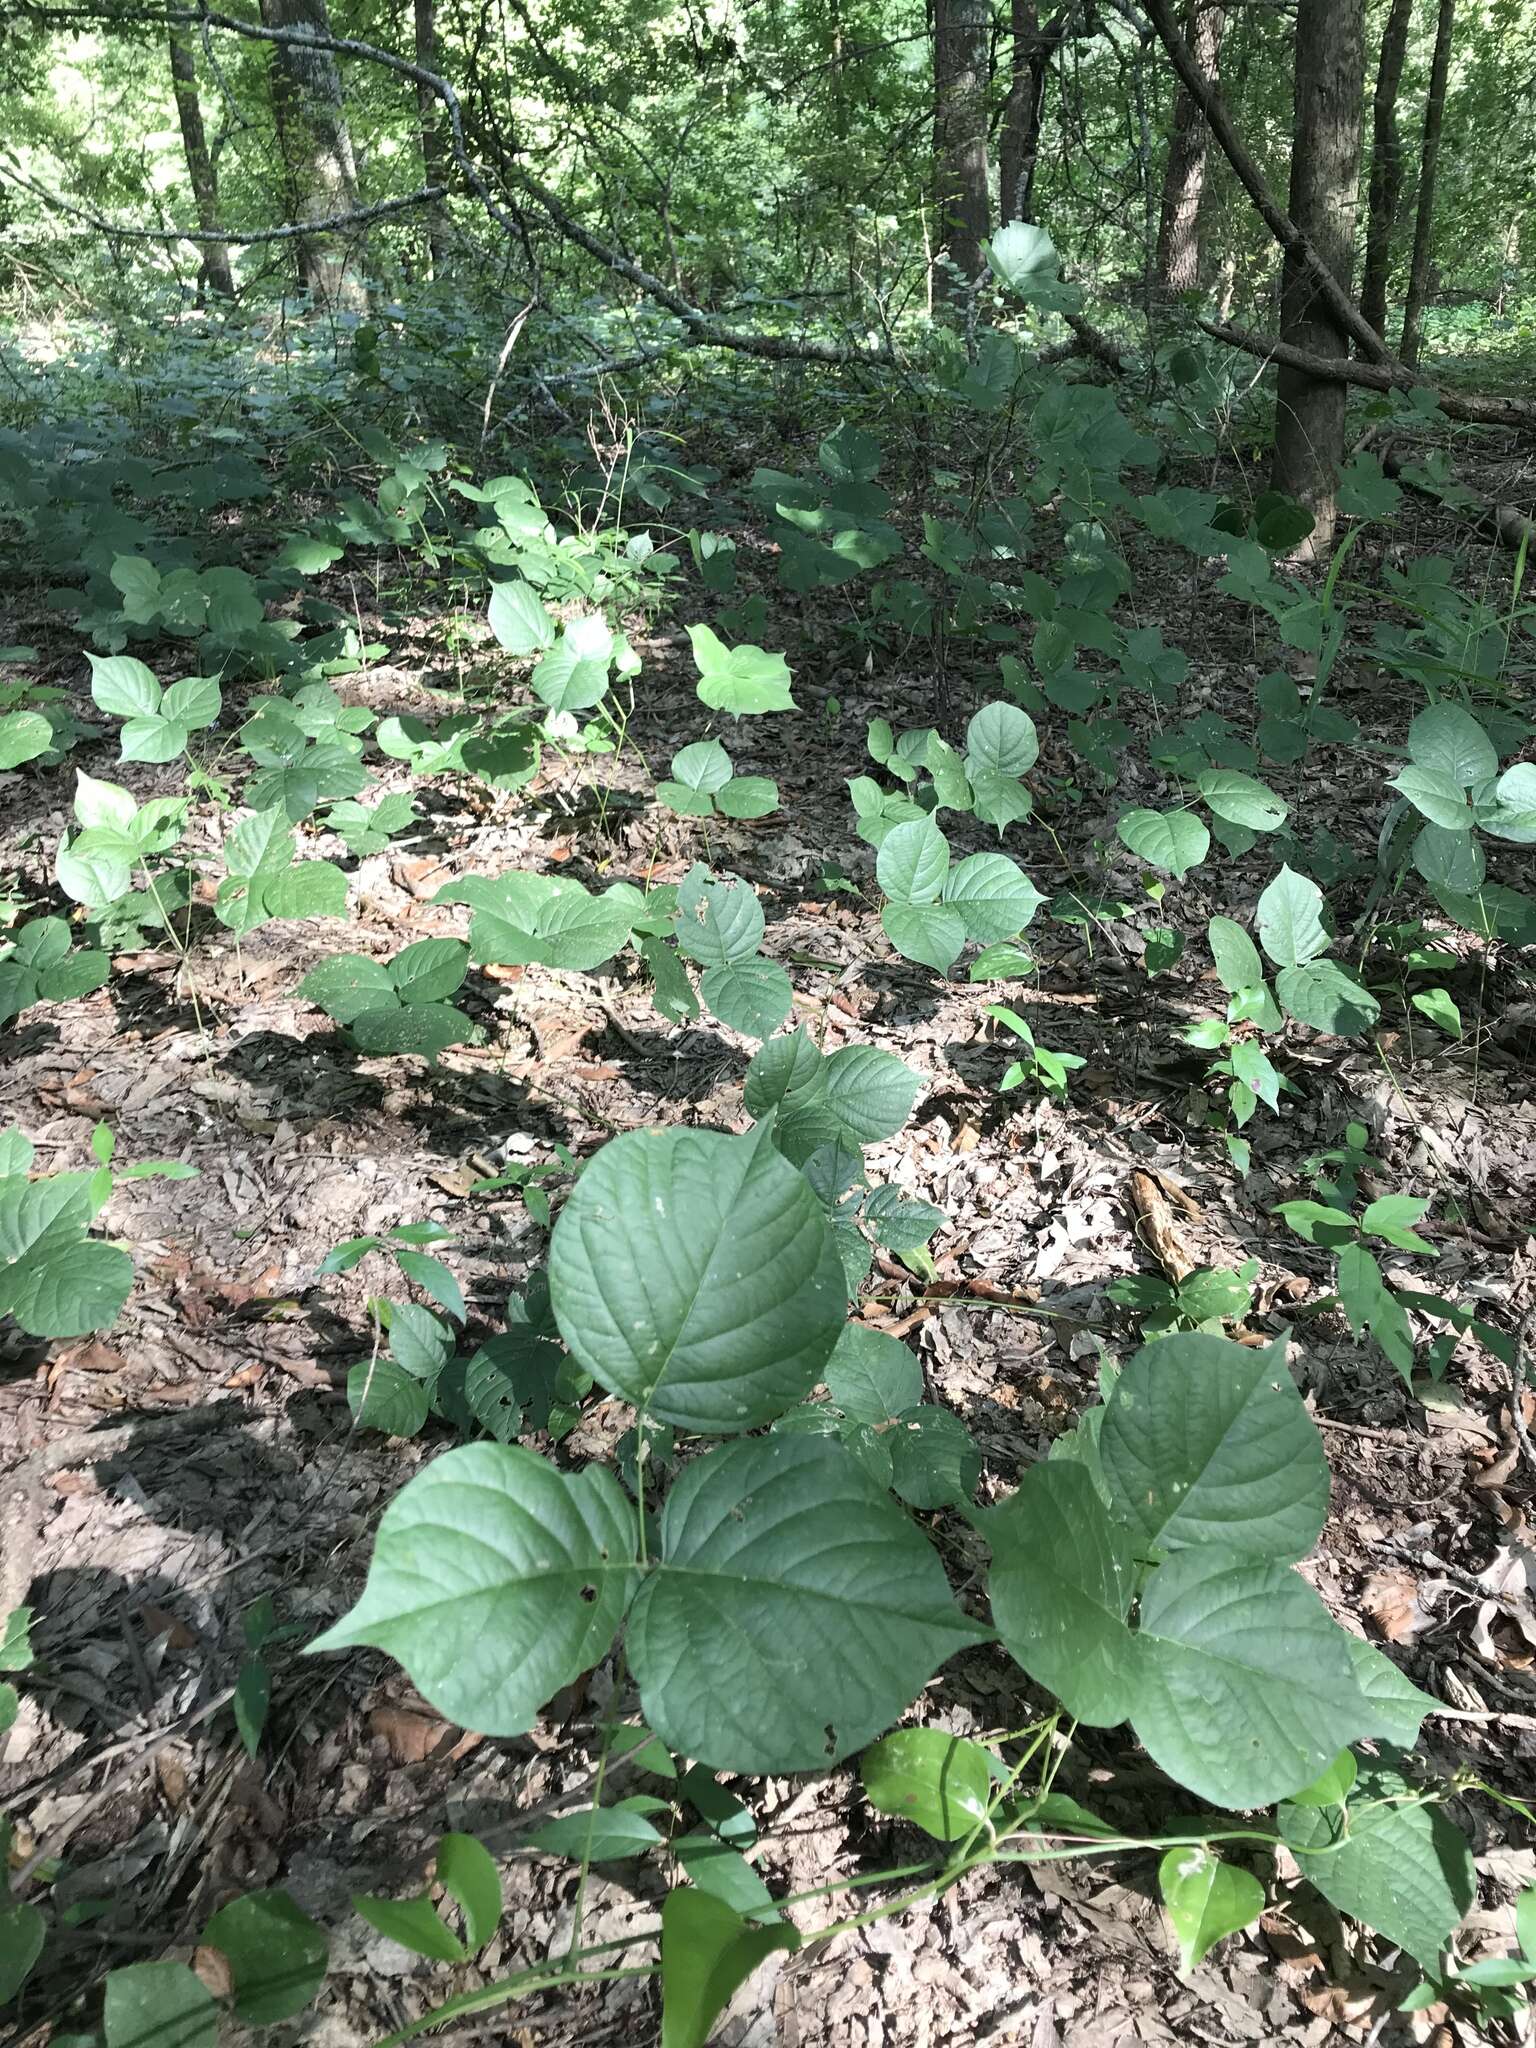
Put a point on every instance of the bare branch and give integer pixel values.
(1391, 376)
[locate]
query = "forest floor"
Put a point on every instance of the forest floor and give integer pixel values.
(250, 1479)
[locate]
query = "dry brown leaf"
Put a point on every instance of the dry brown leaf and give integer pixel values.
(1156, 1229)
(177, 1635)
(409, 1737)
(1391, 1599)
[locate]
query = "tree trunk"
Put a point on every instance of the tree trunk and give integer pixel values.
(1424, 221)
(434, 154)
(316, 144)
(960, 29)
(213, 270)
(1018, 148)
(1386, 193)
(1178, 233)
(1325, 178)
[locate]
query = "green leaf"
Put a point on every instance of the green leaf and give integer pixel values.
(347, 984)
(741, 680)
(671, 989)
(1061, 1583)
(1001, 963)
(934, 1461)
(276, 1955)
(1290, 920)
(312, 888)
(495, 1581)
(1328, 998)
(1001, 740)
(704, 766)
(752, 996)
(1024, 257)
(1393, 1218)
(1174, 841)
(1242, 800)
(423, 1028)
(869, 1093)
(931, 934)
(873, 1377)
(721, 922)
(430, 970)
(1333, 1785)
(158, 2005)
(694, 1274)
(994, 897)
(937, 1781)
(1397, 1703)
(54, 1280)
(1208, 1442)
(23, 736)
(1371, 1305)
(1449, 741)
(1206, 1900)
(123, 687)
(1436, 796)
(1440, 1009)
(748, 796)
(519, 620)
(831, 1609)
(521, 919)
(783, 1069)
(715, 1867)
(22, 1932)
(1403, 1868)
(413, 1923)
(383, 1396)
(467, 1871)
(597, 1834)
(707, 1951)
(913, 861)
(1246, 1685)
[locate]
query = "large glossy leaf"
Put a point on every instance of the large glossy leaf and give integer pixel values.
(873, 1377)
(721, 921)
(912, 862)
(495, 1580)
(1001, 740)
(54, 1280)
(1327, 997)
(157, 2005)
(939, 1782)
(695, 1274)
(869, 1093)
(740, 680)
(1242, 799)
(1062, 1578)
(1206, 1900)
(824, 1608)
(1403, 1868)
(276, 1955)
(932, 934)
(753, 996)
(1246, 1687)
(1208, 1442)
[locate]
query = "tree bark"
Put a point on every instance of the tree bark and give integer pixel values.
(960, 29)
(1324, 197)
(434, 156)
(1386, 189)
(214, 270)
(1424, 220)
(1018, 148)
(1178, 233)
(316, 145)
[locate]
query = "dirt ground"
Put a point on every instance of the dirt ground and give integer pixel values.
(240, 1476)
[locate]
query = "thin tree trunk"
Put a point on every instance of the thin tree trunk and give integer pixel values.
(1386, 191)
(214, 270)
(1018, 147)
(316, 144)
(434, 155)
(960, 29)
(1178, 233)
(1424, 221)
(1325, 179)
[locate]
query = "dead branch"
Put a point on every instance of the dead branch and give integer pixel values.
(1387, 376)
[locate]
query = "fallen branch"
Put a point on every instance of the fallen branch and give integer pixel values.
(1389, 376)
(1506, 522)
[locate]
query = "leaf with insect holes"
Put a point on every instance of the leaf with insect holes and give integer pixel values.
(1174, 841)
(828, 1606)
(1206, 1900)
(496, 1580)
(23, 736)
(694, 1274)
